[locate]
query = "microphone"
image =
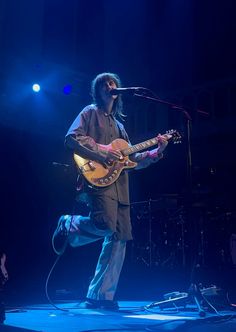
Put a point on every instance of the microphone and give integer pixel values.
(118, 91)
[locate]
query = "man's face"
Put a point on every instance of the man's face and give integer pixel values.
(105, 89)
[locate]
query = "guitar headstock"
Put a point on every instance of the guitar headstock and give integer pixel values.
(174, 136)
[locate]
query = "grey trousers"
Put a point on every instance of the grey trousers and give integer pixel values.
(104, 283)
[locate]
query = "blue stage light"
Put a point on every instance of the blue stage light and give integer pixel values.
(36, 87)
(67, 89)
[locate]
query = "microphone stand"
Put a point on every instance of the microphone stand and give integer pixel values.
(194, 293)
(188, 118)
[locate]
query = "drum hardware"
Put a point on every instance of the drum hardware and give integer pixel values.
(157, 245)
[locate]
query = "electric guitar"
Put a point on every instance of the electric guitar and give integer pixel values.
(104, 174)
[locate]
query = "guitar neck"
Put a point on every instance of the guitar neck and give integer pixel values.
(140, 146)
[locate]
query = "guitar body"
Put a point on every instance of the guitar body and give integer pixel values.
(103, 175)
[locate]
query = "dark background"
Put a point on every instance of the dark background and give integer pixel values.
(182, 50)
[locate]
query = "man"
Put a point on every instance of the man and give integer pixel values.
(109, 216)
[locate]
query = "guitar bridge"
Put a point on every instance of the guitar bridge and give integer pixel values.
(87, 167)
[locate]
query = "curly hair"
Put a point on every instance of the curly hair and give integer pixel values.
(95, 87)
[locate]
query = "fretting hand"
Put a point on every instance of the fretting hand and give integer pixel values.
(156, 154)
(162, 143)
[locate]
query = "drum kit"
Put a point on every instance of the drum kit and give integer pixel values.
(166, 234)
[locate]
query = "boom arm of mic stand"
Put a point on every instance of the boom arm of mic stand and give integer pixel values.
(165, 102)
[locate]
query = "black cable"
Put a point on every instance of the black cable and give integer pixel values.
(47, 281)
(59, 253)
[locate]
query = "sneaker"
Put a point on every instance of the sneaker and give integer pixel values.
(60, 236)
(99, 304)
(109, 305)
(87, 305)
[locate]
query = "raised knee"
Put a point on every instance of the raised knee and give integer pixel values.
(103, 222)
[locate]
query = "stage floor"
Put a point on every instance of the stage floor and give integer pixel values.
(132, 316)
